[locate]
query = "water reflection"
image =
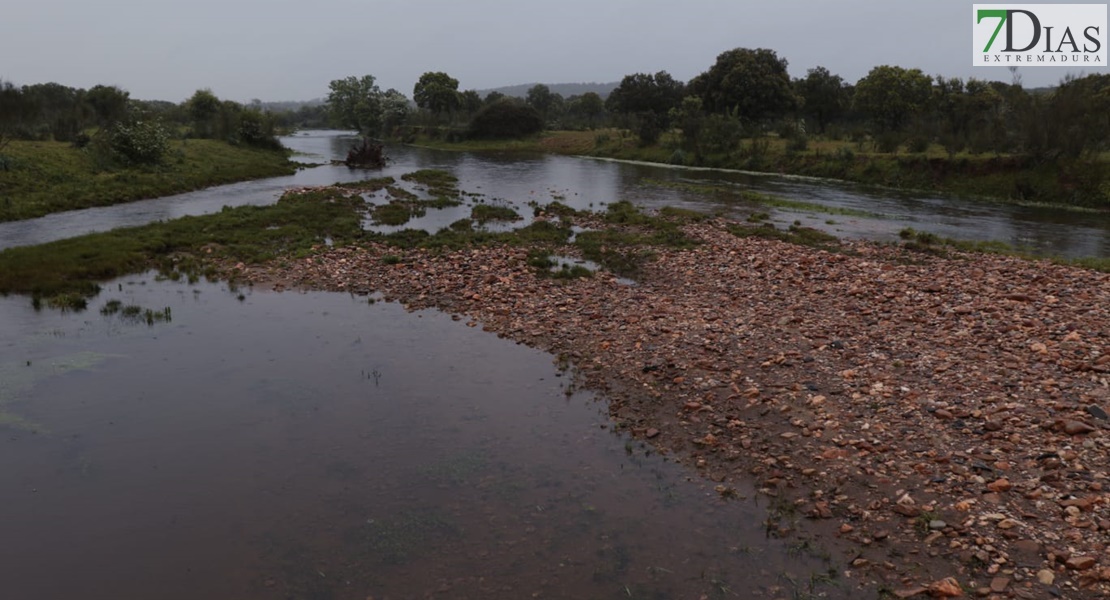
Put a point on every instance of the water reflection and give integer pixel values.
(588, 183)
(317, 446)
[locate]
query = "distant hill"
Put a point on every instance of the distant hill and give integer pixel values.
(566, 90)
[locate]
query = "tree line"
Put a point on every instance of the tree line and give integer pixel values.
(121, 130)
(748, 93)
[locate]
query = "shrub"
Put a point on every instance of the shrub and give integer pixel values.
(506, 118)
(137, 143)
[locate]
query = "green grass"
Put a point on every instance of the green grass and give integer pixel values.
(48, 177)
(293, 227)
(486, 212)
(802, 236)
(395, 213)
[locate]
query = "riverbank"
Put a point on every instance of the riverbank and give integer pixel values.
(46, 177)
(919, 418)
(911, 412)
(1007, 178)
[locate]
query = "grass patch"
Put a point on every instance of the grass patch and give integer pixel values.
(48, 177)
(802, 236)
(437, 181)
(486, 212)
(395, 213)
(368, 185)
(293, 227)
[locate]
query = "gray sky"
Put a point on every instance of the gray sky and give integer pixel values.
(290, 50)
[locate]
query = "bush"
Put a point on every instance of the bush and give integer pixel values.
(137, 143)
(506, 118)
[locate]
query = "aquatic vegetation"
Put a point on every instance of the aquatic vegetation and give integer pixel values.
(803, 236)
(395, 213)
(486, 212)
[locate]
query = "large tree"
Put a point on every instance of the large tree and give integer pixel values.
(109, 103)
(892, 96)
(16, 113)
(753, 84)
(204, 109)
(356, 102)
(437, 91)
(395, 110)
(546, 102)
(642, 93)
(823, 95)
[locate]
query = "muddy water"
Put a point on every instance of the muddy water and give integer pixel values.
(263, 445)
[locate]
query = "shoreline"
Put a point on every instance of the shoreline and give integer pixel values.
(980, 174)
(935, 423)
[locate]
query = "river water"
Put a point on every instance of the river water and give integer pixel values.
(260, 445)
(588, 183)
(241, 444)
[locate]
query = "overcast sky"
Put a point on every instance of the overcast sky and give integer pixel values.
(290, 50)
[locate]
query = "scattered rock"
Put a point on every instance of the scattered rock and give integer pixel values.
(1073, 427)
(946, 588)
(999, 584)
(1000, 485)
(1080, 563)
(1046, 577)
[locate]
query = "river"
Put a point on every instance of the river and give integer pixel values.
(877, 214)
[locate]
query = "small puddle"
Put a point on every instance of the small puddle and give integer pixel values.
(271, 446)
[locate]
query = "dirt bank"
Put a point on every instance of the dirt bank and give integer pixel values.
(928, 417)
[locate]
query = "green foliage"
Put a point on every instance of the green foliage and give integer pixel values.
(891, 96)
(803, 236)
(46, 177)
(436, 91)
(357, 103)
(204, 109)
(109, 103)
(506, 118)
(649, 97)
(824, 96)
(486, 212)
(755, 83)
(298, 223)
(137, 143)
(470, 102)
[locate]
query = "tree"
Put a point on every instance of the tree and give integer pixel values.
(16, 112)
(540, 98)
(356, 102)
(752, 83)
(437, 91)
(395, 110)
(61, 113)
(891, 96)
(470, 102)
(506, 118)
(109, 103)
(823, 96)
(589, 107)
(642, 93)
(204, 110)
(492, 97)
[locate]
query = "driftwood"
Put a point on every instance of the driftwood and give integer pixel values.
(366, 153)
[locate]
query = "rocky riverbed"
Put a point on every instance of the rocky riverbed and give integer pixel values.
(939, 424)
